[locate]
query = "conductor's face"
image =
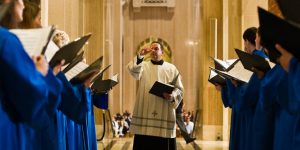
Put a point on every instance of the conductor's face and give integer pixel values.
(156, 54)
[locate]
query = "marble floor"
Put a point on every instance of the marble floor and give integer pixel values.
(126, 144)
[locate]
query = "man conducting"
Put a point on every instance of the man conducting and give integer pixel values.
(154, 121)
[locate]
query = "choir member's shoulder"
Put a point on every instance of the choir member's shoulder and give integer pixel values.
(5, 34)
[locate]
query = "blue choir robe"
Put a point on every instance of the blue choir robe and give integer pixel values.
(89, 126)
(260, 53)
(77, 105)
(72, 112)
(47, 138)
(240, 119)
(23, 95)
(258, 122)
(244, 106)
(83, 136)
(228, 103)
(294, 97)
(274, 93)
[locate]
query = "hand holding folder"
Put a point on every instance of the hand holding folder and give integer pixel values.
(160, 88)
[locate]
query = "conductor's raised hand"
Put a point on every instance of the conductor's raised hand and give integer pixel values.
(285, 57)
(57, 68)
(145, 51)
(41, 64)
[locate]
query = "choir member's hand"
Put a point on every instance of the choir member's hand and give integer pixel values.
(218, 87)
(167, 96)
(285, 57)
(41, 64)
(88, 82)
(145, 51)
(259, 73)
(235, 83)
(57, 68)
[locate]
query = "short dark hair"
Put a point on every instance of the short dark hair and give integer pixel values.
(250, 35)
(161, 45)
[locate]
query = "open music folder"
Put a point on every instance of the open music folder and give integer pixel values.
(276, 30)
(237, 73)
(224, 65)
(251, 61)
(81, 71)
(34, 41)
(215, 78)
(79, 58)
(103, 86)
(100, 75)
(69, 51)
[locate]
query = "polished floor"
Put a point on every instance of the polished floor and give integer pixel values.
(126, 144)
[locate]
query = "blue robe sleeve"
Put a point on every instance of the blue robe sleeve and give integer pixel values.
(290, 87)
(55, 89)
(248, 94)
(268, 87)
(100, 100)
(225, 97)
(23, 86)
(72, 104)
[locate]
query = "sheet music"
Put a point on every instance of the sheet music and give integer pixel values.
(33, 40)
(226, 63)
(52, 48)
(212, 74)
(239, 72)
(115, 78)
(76, 70)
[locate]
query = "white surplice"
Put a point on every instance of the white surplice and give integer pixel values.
(153, 115)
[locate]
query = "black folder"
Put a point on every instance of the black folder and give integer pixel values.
(100, 75)
(94, 68)
(74, 62)
(215, 78)
(276, 30)
(69, 51)
(251, 61)
(290, 9)
(224, 65)
(103, 86)
(3, 9)
(228, 76)
(159, 88)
